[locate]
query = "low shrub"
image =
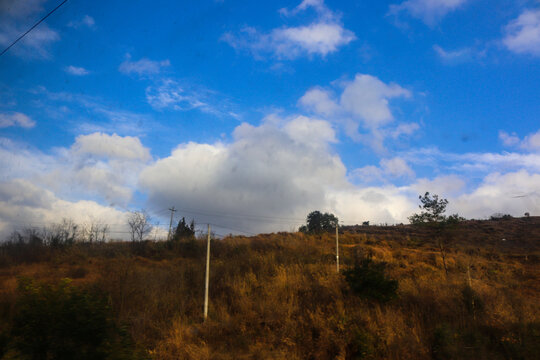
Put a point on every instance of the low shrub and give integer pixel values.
(368, 280)
(64, 322)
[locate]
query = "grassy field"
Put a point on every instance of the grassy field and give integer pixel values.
(279, 296)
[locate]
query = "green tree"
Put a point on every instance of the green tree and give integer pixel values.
(432, 215)
(317, 223)
(432, 207)
(184, 231)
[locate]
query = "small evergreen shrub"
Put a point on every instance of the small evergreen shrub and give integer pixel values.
(368, 280)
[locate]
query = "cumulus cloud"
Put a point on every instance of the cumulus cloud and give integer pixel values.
(311, 132)
(396, 167)
(523, 34)
(16, 119)
(15, 18)
(389, 169)
(76, 70)
(111, 146)
(367, 97)
(446, 186)
(24, 204)
(429, 11)
(511, 193)
(96, 167)
(323, 36)
(320, 101)
(363, 101)
(532, 142)
(266, 170)
(266, 179)
(143, 67)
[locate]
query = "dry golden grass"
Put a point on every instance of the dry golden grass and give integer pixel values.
(278, 296)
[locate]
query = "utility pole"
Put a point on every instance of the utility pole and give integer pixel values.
(337, 246)
(207, 277)
(172, 210)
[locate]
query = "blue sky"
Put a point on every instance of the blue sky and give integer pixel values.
(269, 109)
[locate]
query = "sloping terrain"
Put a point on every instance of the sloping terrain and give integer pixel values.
(277, 296)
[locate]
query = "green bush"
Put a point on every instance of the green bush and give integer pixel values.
(65, 322)
(368, 280)
(360, 345)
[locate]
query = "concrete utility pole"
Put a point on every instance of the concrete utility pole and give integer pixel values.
(337, 246)
(207, 278)
(172, 210)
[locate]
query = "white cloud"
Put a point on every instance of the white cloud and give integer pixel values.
(508, 139)
(474, 164)
(14, 20)
(86, 21)
(429, 11)
(23, 204)
(389, 169)
(312, 132)
(323, 36)
(266, 179)
(143, 67)
(397, 167)
(364, 101)
(446, 186)
(523, 33)
(319, 38)
(97, 166)
(367, 97)
(77, 71)
(267, 170)
(404, 129)
(318, 5)
(453, 57)
(16, 119)
(320, 101)
(170, 94)
(111, 146)
(511, 193)
(530, 142)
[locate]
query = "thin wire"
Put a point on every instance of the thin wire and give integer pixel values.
(32, 28)
(233, 229)
(220, 214)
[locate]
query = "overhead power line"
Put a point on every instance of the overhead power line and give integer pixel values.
(32, 28)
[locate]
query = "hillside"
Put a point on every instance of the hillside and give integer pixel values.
(277, 296)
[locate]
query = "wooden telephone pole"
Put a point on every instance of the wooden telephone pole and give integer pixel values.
(337, 246)
(207, 277)
(172, 210)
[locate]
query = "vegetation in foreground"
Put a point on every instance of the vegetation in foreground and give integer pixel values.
(279, 296)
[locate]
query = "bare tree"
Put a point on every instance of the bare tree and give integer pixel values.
(68, 231)
(139, 225)
(95, 231)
